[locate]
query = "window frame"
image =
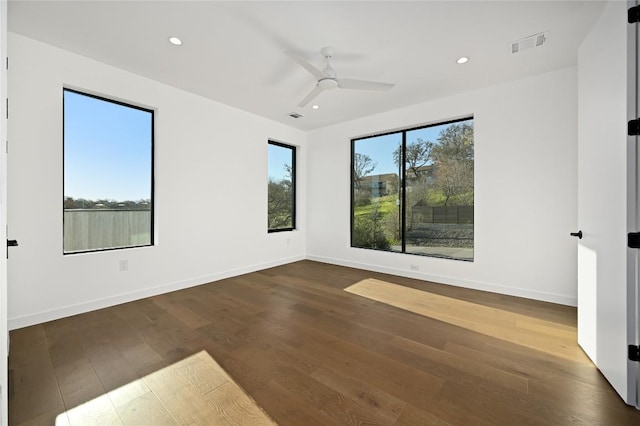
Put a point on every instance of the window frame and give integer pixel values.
(294, 178)
(402, 188)
(152, 176)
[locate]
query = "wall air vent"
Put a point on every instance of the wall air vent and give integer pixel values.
(535, 40)
(295, 115)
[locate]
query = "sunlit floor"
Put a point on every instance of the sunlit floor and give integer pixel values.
(195, 390)
(523, 330)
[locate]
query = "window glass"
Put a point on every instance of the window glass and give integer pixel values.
(413, 191)
(376, 205)
(281, 214)
(108, 174)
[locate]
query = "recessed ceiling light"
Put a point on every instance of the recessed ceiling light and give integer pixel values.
(462, 60)
(315, 107)
(175, 40)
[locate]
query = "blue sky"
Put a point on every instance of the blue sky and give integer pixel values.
(381, 148)
(278, 157)
(107, 150)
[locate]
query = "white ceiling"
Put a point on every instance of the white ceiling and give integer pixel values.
(232, 52)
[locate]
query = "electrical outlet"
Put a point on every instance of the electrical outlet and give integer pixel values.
(415, 268)
(124, 265)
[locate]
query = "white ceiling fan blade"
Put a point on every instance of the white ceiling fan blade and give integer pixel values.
(350, 83)
(319, 75)
(315, 92)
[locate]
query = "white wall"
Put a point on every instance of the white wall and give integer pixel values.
(210, 190)
(211, 212)
(525, 189)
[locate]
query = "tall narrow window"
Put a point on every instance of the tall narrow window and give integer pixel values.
(412, 191)
(282, 187)
(108, 174)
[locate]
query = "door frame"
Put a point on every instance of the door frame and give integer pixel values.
(4, 333)
(633, 209)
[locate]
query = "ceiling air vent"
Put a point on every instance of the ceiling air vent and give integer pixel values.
(294, 115)
(535, 40)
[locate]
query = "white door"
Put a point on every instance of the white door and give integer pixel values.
(607, 194)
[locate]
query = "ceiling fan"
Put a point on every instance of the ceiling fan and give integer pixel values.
(327, 79)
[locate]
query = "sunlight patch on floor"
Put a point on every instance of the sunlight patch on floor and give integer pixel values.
(549, 337)
(195, 390)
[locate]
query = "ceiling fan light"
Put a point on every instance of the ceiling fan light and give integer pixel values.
(327, 84)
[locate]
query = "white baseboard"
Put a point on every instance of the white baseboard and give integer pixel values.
(53, 314)
(475, 285)
(50, 315)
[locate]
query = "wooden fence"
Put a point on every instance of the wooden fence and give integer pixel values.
(86, 229)
(441, 214)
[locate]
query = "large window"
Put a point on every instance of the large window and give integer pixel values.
(281, 214)
(412, 191)
(108, 174)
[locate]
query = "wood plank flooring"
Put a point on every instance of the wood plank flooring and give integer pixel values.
(312, 344)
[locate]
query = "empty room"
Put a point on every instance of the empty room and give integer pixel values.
(319, 213)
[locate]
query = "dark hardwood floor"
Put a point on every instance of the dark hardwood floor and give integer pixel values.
(312, 344)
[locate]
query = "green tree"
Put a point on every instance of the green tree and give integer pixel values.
(417, 155)
(455, 179)
(280, 201)
(368, 231)
(453, 160)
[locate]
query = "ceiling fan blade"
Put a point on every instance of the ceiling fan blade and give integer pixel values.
(350, 83)
(315, 92)
(319, 75)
